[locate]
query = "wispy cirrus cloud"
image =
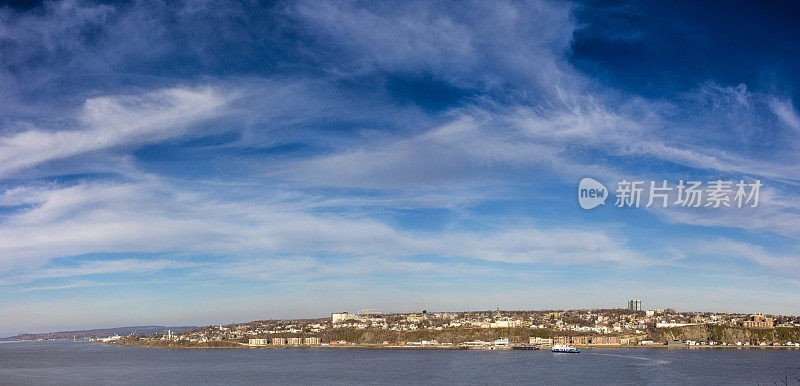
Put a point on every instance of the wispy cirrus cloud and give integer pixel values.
(111, 121)
(786, 112)
(117, 217)
(775, 263)
(91, 267)
(480, 46)
(68, 286)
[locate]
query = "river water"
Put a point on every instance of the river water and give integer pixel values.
(64, 362)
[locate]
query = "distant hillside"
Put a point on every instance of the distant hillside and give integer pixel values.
(99, 333)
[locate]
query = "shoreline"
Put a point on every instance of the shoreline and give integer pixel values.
(243, 346)
(461, 348)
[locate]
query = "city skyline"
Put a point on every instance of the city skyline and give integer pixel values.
(638, 320)
(297, 158)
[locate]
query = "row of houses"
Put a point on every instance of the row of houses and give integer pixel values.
(312, 341)
(590, 340)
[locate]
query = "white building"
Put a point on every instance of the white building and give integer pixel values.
(340, 317)
(258, 342)
(541, 341)
(501, 342)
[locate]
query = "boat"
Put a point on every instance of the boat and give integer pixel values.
(565, 348)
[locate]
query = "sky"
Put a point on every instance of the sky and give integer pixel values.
(205, 162)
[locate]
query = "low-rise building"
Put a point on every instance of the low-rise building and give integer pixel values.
(258, 342)
(278, 341)
(541, 341)
(614, 340)
(501, 342)
(587, 340)
(294, 341)
(477, 343)
(312, 341)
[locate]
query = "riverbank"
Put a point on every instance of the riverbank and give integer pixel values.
(238, 345)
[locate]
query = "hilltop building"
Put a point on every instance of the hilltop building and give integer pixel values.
(340, 317)
(758, 321)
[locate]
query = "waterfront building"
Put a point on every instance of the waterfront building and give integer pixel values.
(278, 341)
(604, 340)
(501, 342)
(477, 343)
(541, 341)
(580, 340)
(586, 340)
(294, 341)
(258, 342)
(312, 341)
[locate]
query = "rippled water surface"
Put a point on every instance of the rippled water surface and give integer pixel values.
(89, 363)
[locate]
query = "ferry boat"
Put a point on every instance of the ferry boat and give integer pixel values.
(565, 348)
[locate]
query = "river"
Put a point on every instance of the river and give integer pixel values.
(66, 362)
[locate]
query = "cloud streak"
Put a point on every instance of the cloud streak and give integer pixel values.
(107, 122)
(116, 218)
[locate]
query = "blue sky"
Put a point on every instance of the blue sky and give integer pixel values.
(209, 161)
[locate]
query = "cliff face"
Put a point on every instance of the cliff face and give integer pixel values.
(727, 334)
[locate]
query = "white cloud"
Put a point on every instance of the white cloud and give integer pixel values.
(156, 217)
(114, 121)
(482, 45)
(780, 264)
(69, 285)
(92, 267)
(786, 112)
(776, 213)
